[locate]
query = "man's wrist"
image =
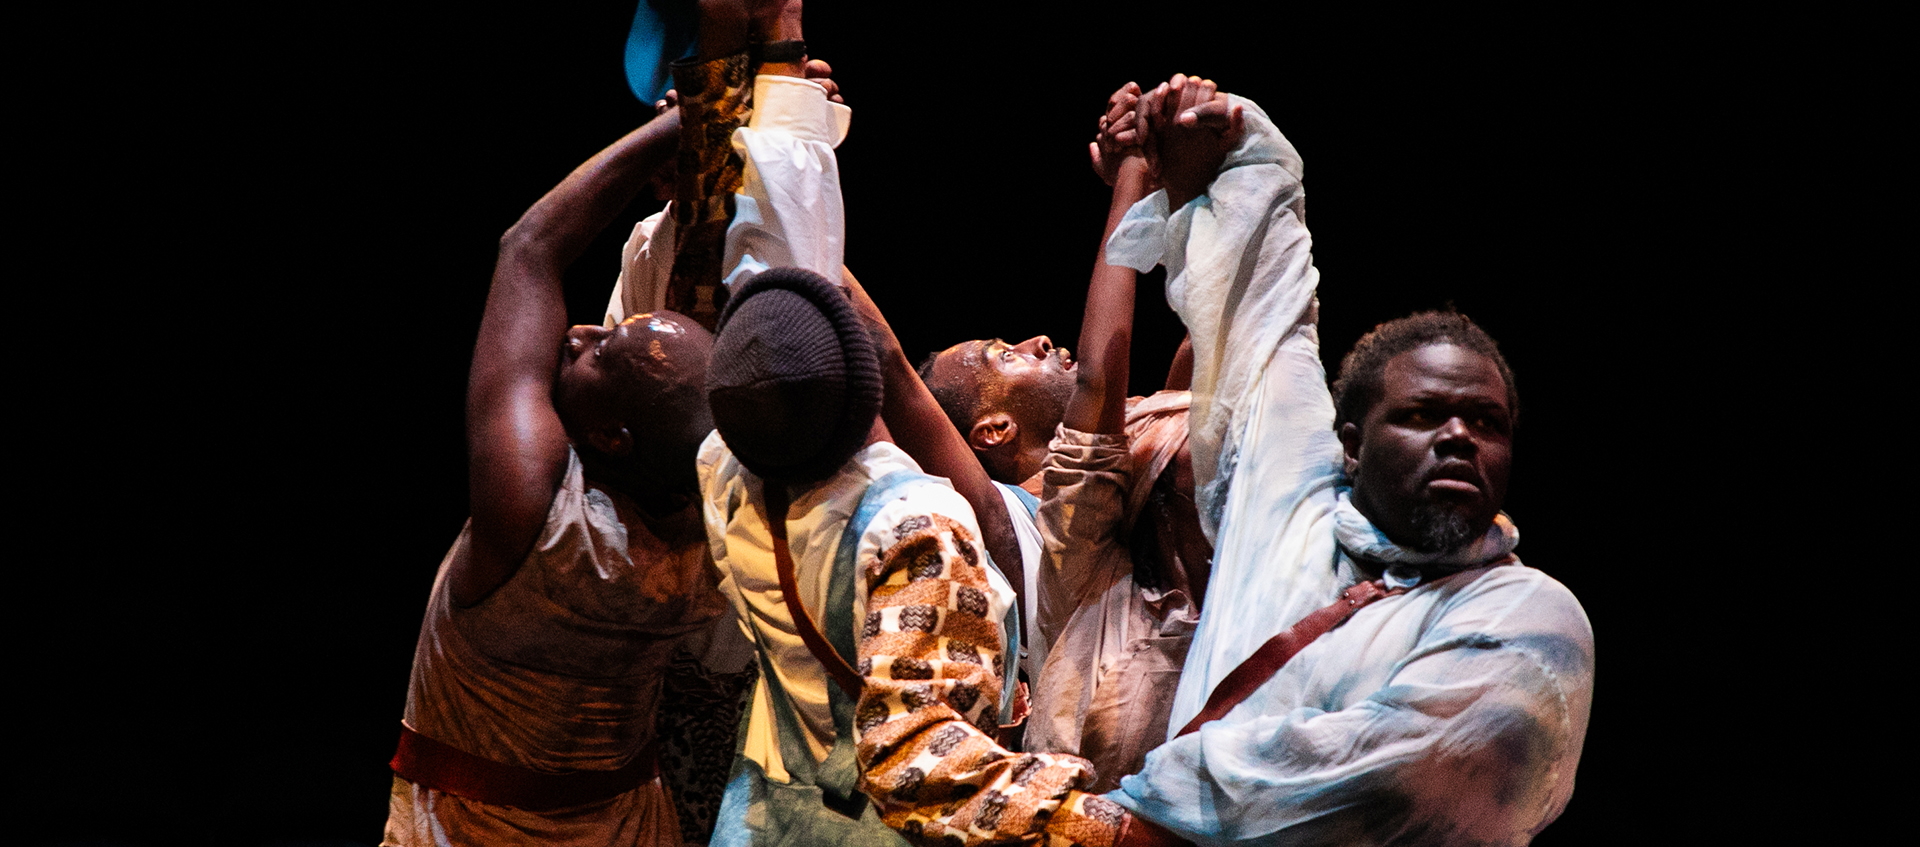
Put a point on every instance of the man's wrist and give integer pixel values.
(1132, 177)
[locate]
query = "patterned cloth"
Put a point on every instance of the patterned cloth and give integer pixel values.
(928, 649)
(716, 98)
(1453, 714)
(700, 710)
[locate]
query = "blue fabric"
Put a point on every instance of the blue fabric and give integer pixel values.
(1031, 502)
(662, 31)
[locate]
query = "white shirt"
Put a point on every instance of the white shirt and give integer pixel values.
(788, 211)
(1452, 714)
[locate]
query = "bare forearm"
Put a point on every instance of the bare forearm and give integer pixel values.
(558, 228)
(921, 428)
(1180, 373)
(1106, 331)
(526, 310)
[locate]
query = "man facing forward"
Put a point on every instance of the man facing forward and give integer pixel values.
(1453, 709)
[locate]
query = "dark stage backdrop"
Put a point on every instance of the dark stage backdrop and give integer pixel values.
(233, 616)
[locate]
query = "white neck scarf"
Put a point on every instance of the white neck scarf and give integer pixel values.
(1362, 540)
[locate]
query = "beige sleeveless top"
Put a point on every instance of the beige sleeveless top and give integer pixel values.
(558, 670)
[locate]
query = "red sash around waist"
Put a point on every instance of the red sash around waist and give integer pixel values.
(424, 761)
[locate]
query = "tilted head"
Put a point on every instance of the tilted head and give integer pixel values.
(1425, 408)
(795, 381)
(633, 400)
(1004, 398)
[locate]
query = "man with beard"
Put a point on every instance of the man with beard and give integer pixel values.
(1374, 665)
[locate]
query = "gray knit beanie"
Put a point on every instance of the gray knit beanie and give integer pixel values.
(794, 382)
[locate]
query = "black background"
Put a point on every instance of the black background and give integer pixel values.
(257, 244)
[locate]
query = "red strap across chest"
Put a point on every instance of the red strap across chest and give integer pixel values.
(1266, 661)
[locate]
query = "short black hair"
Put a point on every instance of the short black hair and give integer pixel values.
(960, 398)
(1364, 367)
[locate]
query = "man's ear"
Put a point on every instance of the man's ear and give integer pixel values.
(992, 431)
(611, 440)
(1350, 447)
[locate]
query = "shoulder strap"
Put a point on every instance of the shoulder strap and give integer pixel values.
(838, 776)
(843, 675)
(1266, 661)
(831, 649)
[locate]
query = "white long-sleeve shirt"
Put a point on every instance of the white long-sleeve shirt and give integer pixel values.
(788, 211)
(1452, 714)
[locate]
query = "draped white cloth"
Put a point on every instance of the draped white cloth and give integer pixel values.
(1452, 714)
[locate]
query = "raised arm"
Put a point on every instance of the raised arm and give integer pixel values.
(918, 426)
(1099, 397)
(516, 443)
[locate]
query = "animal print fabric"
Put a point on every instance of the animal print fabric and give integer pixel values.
(716, 98)
(699, 713)
(931, 659)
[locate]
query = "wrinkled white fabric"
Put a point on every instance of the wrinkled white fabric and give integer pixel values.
(1452, 714)
(788, 210)
(1254, 210)
(642, 285)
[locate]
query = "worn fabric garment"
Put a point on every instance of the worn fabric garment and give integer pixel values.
(557, 670)
(786, 209)
(1115, 646)
(930, 613)
(1452, 714)
(642, 284)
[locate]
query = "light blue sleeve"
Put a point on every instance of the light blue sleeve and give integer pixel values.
(1473, 738)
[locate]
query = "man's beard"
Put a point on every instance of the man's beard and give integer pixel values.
(1440, 530)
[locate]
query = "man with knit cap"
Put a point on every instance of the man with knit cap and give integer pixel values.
(878, 621)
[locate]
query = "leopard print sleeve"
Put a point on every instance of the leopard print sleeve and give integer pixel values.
(930, 655)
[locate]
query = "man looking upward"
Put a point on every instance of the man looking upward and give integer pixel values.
(530, 711)
(1115, 596)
